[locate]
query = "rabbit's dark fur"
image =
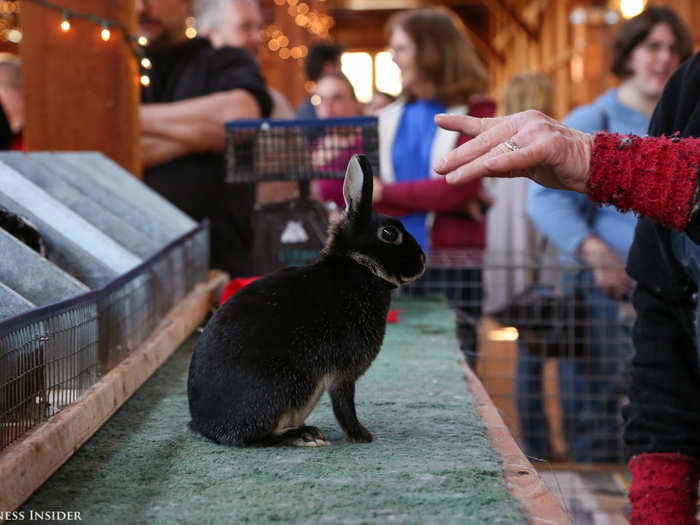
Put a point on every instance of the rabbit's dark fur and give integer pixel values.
(266, 356)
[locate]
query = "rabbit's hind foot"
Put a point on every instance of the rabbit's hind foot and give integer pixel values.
(304, 436)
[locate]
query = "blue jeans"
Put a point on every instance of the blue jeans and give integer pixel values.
(590, 387)
(463, 288)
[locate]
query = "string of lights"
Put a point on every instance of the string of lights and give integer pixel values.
(135, 42)
(315, 22)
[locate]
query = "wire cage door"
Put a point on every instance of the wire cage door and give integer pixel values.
(293, 232)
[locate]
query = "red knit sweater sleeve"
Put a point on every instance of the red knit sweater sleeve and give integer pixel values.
(653, 176)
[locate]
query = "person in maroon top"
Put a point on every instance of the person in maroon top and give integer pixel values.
(657, 177)
(332, 151)
(440, 72)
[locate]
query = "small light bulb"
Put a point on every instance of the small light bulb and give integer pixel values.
(145, 80)
(105, 34)
(631, 8)
(142, 40)
(146, 63)
(14, 36)
(190, 32)
(65, 24)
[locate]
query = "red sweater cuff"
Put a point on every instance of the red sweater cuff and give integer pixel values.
(653, 176)
(664, 489)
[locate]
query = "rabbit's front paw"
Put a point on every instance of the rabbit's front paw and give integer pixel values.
(360, 435)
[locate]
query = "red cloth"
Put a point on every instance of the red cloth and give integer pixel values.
(392, 316)
(654, 176)
(236, 284)
(18, 142)
(233, 286)
(664, 489)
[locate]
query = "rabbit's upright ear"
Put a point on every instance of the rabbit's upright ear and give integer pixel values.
(357, 190)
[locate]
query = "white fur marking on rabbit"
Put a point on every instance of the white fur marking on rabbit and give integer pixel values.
(311, 443)
(352, 186)
(375, 268)
(296, 418)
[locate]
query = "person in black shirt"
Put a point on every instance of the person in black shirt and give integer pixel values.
(5, 131)
(194, 89)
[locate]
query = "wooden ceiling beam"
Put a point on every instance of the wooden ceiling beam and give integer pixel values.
(484, 47)
(531, 33)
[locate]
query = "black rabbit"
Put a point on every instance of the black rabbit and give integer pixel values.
(266, 356)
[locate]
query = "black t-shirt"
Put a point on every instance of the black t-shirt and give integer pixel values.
(677, 111)
(195, 182)
(663, 414)
(6, 134)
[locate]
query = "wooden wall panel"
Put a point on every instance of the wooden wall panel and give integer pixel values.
(560, 47)
(560, 71)
(81, 93)
(556, 45)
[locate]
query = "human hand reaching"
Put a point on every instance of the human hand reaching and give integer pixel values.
(608, 268)
(541, 148)
(477, 207)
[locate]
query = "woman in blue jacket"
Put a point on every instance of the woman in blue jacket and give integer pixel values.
(646, 51)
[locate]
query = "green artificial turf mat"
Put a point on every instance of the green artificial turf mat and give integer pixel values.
(431, 461)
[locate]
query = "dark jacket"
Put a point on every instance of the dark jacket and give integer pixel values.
(195, 182)
(663, 414)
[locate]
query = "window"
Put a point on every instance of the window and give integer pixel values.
(357, 66)
(388, 74)
(367, 73)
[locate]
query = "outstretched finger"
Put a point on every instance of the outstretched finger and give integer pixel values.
(497, 133)
(507, 161)
(479, 167)
(483, 144)
(466, 124)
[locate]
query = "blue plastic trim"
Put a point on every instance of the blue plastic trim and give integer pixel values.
(300, 123)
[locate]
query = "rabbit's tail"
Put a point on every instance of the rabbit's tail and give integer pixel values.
(195, 433)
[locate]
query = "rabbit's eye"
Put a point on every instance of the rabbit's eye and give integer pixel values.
(390, 234)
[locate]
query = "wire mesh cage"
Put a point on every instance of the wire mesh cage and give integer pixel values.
(51, 355)
(292, 232)
(270, 150)
(553, 356)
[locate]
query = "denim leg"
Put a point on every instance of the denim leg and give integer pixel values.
(467, 298)
(463, 289)
(591, 387)
(529, 400)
